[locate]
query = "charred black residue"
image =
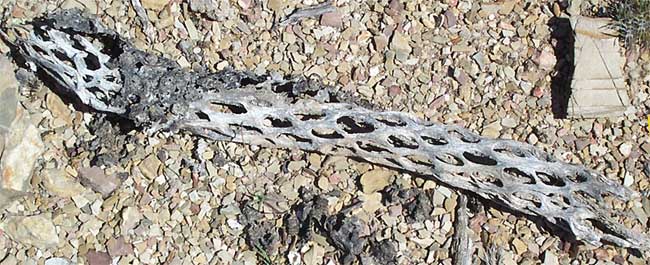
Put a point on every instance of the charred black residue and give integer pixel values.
(417, 203)
(308, 217)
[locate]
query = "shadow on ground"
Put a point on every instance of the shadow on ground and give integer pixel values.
(563, 46)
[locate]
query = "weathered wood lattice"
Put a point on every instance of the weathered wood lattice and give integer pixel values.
(108, 74)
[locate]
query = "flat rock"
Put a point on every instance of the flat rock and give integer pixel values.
(244, 4)
(149, 166)
(8, 91)
(59, 110)
(154, 4)
(276, 5)
(94, 257)
(35, 230)
(520, 246)
(296, 165)
(88, 6)
(375, 180)
(492, 130)
(507, 7)
(380, 42)
(450, 18)
(314, 255)
(545, 59)
(509, 122)
(23, 146)
(400, 45)
(118, 247)
(332, 19)
(550, 258)
(130, 218)
(58, 183)
(57, 261)
(94, 178)
(371, 202)
(598, 86)
(625, 149)
(20, 140)
(628, 180)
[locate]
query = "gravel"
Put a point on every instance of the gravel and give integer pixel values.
(486, 66)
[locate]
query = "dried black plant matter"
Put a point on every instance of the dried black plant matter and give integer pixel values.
(108, 74)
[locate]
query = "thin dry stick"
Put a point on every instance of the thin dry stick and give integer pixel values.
(462, 244)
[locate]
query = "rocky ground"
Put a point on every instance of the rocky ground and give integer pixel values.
(494, 67)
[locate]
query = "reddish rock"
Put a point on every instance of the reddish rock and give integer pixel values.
(359, 74)
(538, 92)
(94, 257)
(395, 210)
(618, 259)
(437, 102)
(597, 129)
(394, 91)
(546, 59)
(334, 178)
(395, 7)
(119, 247)
(245, 4)
(601, 254)
(195, 208)
(477, 222)
(94, 178)
(450, 18)
(332, 19)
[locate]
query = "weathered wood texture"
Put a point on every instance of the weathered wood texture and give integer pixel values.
(274, 112)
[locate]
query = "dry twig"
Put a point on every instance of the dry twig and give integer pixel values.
(462, 243)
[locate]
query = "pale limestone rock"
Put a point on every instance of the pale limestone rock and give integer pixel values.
(130, 218)
(492, 130)
(58, 183)
(375, 180)
(23, 146)
(149, 166)
(598, 87)
(400, 45)
(57, 261)
(156, 5)
(546, 59)
(36, 230)
(550, 258)
(625, 149)
(276, 5)
(20, 140)
(371, 202)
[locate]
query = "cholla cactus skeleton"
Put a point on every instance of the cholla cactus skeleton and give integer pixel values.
(240, 107)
